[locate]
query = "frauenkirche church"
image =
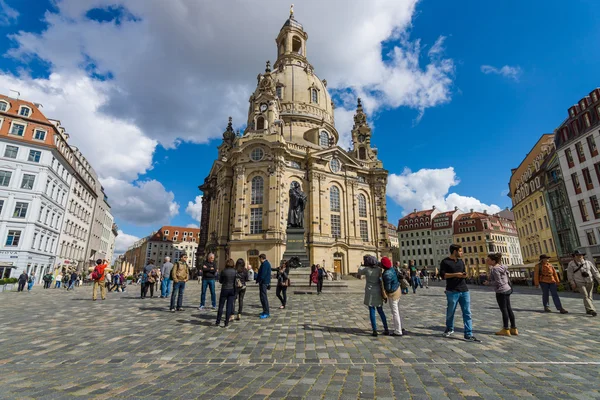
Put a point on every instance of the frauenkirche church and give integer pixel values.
(291, 137)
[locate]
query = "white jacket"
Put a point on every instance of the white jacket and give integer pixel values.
(577, 278)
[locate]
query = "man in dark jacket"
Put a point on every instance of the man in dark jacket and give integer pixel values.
(209, 271)
(264, 283)
(22, 281)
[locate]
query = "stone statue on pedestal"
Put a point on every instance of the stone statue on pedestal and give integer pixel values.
(297, 205)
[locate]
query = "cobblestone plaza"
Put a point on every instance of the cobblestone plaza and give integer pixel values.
(57, 344)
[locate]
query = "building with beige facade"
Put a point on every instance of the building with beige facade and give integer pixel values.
(442, 232)
(291, 137)
(526, 187)
(414, 234)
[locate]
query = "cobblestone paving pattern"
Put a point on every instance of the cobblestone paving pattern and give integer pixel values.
(56, 344)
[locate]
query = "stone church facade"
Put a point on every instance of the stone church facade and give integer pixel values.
(291, 136)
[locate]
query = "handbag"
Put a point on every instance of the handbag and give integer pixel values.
(510, 291)
(381, 287)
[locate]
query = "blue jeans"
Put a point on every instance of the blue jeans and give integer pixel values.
(165, 287)
(213, 297)
(264, 298)
(374, 320)
(57, 284)
(464, 299)
(414, 282)
(550, 287)
(178, 289)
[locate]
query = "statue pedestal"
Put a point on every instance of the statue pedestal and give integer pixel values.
(296, 247)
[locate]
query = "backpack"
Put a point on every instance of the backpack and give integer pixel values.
(238, 282)
(97, 273)
(30, 280)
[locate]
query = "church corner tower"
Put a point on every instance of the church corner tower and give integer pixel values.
(290, 137)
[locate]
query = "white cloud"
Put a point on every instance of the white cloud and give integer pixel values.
(507, 71)
(8, 15)
(195, 226)
(123, 241)
(141, 203)
(429, 187)
(194, 208)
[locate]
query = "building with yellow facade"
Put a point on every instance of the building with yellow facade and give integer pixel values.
(529, 207)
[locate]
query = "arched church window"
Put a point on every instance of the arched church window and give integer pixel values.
(280, 92)
(257, 190)
(362, 206)
(297, 45)
(323, 139)
(334, 199)
(314, 96)
(362, 154)
(260, 123)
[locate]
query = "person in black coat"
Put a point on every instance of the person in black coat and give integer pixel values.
(227, 281)
(243, 277)
(22, 281)
(282, 285)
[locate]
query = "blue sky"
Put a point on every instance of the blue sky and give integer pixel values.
(516, 66)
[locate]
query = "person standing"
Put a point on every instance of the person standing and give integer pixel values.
(545, 276)
(263, 280)
(391, 284)
(209, 271)
(227, 281)
(425, 277)
(240, 284)
(320, 277)
(165, 271)
(147, 279)
(30, 282)
(405, 279)
(581, 274)
(499, 278)
(412, 269)
(58, 281)
(73, 280)
(98, 278)
(373, 298)
(179, 275)
(108, 281)
(23, 278)
(452, 269)
(282, 285)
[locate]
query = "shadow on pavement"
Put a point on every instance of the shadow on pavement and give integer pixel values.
(336, 329)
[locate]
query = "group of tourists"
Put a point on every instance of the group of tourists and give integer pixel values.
(384, 284)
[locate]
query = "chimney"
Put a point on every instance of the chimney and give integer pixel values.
(415, 210)
(485, 212)
(455, 208)
(433, 207)
(471, 210)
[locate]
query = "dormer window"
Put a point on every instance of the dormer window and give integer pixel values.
(17, 129)
(24, 111)
(594, 96)
(4, 106)
(323, 139)
(39, 134)
(586, 118)
(314, 96)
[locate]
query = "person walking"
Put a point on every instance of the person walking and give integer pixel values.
(425, 277)
(545, 276)
(373, 298)
(499, 278)
(314, 275)
(147, 281)
(30, 282)
(179, 275)
(581, 274)
(209, 271)
(108, 281)
(263, 280)
(165, 271)
(241, 279)
(282, 285)
(98, 278)
(405, 279)
(58, 281)
(72, 280)
(227, 280)
(23, 278)
(320, 277)
(412, 269)
(452, 269)
(391, 284)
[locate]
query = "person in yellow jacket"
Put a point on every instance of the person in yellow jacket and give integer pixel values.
(180, 275)
(545, 276)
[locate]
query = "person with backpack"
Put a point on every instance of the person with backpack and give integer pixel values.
(47, 280)
(179, 275)
(148, 279)
(227, 280)
(242, 277)
(501, 281)
(23, 278)
(581, 274)
(98, 278)
(373, 292)
(545, 276)
(391, 285)
(30, 282)
(283, 282)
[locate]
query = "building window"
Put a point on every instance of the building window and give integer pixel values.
(324, 139)
(39, 135)
(257, 190)
(336, 226)
(314, 96)
(255, 220)
(576, 184)
(28, 181)
(362, 206)
(592, 146)
(280, 92)
(335, 165)
(364, 231)
(583, 210)
(580, 152)
(587, 178)
(17, 129)
(586, 119)
(595, 206)
(24, 111)
(536, 203)
(591, 237)
(11, 151)
(575, 128)
(334, 199)
(3, 106)
(257, 154)
(20, 210)
(260, 123)
(34, 155)
(13, 237)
